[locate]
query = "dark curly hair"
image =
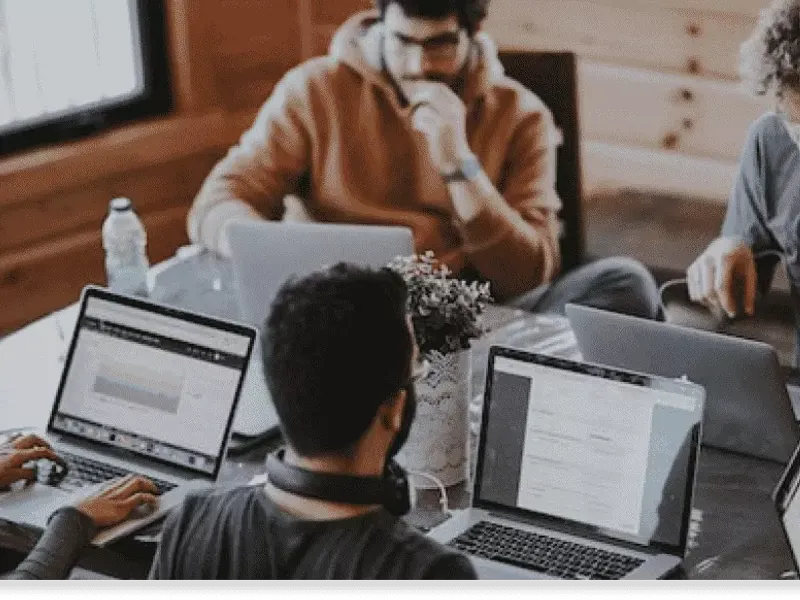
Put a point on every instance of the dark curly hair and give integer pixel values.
(770, 58)
(470, 13)
(336, 346)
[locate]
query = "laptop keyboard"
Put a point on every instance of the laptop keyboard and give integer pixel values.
(83, 471)
(545, 554)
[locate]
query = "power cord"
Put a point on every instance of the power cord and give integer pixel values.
(442, 491)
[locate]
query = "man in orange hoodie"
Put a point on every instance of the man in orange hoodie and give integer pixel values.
(410, 120)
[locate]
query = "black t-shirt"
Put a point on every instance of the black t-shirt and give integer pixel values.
(242, 534)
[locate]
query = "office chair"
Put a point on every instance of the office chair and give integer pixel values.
(553, 77)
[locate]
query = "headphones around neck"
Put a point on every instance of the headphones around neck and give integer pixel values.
(391, 490)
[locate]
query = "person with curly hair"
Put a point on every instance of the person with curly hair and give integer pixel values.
(762, 224)
(410, 120)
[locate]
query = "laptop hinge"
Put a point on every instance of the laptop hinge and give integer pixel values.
(126, 456)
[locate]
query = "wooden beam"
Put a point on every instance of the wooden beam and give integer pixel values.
(638, 107)
(633, 34)
(194, 81)
(51, 170)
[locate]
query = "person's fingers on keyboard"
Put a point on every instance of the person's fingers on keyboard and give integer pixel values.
(114, 485)
(134, 485)
(114, 505)
(27, 442)
(138, 499)
(12, 475)
(20, 457)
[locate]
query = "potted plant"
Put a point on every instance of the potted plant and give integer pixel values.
(447, 315)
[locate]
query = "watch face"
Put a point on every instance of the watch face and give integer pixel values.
(470, 167)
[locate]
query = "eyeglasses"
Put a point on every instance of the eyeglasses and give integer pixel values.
(439, 48)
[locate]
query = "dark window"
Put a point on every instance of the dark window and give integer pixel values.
(70, 69)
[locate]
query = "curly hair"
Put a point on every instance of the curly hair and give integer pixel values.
(770, 58)
(470, 12)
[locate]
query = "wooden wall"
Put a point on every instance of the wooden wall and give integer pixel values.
(226, 55)
(658, 83)
(658, 95)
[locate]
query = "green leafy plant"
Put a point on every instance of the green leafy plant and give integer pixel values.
(446, 312)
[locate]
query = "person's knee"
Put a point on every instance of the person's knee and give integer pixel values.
(635, 289)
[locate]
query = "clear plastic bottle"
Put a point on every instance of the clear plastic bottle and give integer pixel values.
(125, 243)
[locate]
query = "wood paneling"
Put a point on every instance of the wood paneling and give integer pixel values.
(174, 184)
(255, 42)
(666, 112)
(635, 34)
(46, 276)
(661, 107)
(611, 167)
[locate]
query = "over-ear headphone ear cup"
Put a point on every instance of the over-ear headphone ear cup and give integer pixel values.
(398, 501)
(391, 490)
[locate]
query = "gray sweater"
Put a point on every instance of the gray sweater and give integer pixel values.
(764, 207)
(242, 534)
(68, 533)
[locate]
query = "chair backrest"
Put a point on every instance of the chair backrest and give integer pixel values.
(553, 77)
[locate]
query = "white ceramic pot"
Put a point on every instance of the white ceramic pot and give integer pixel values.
(438, 443)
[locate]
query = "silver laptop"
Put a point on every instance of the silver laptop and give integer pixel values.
(145, 389)
(748, 409)
(787, 503)
(265, 254)
(583, 472)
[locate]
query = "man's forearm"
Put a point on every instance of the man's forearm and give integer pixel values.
(515, 253)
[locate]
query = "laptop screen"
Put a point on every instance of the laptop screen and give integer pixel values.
(609, 451)
(787, 501)
(152, 381)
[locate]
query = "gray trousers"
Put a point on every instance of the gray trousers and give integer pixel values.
(621, 285)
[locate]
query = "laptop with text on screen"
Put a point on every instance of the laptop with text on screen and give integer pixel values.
(583, 472)
(146, 389)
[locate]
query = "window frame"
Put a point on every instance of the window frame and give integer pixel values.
(155, 99)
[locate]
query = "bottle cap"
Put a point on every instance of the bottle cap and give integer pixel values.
(120, 204)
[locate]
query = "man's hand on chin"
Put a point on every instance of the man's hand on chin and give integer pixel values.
(440, 116)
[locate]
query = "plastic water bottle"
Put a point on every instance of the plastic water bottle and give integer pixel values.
(125, 242)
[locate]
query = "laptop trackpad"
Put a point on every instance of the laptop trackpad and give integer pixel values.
(33, 505)
(491, 570)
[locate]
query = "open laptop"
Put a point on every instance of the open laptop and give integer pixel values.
(748, 409)
(145, 389)
(787, 503)
(583, 472)
(265, 254)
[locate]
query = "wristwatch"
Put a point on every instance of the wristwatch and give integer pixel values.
(469, 168)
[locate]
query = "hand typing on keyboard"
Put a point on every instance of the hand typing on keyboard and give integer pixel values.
(19, 457)
(118, 500)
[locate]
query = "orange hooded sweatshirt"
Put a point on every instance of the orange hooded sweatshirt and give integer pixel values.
(336, 133)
